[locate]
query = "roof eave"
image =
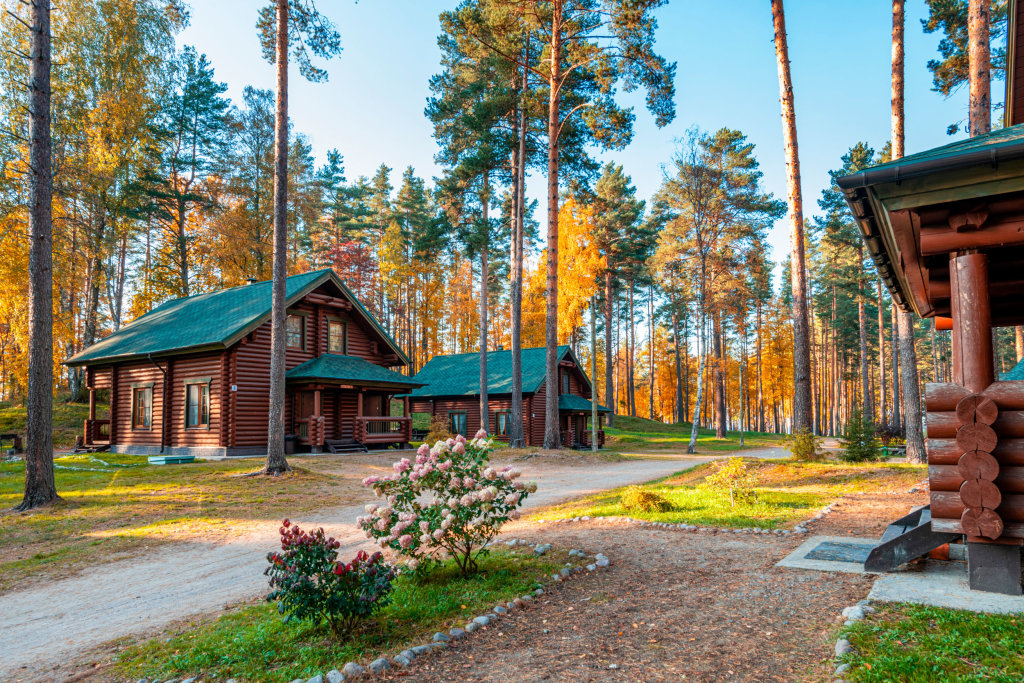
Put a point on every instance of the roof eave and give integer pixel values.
(75, 361)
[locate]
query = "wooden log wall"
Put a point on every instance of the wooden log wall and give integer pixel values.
(976, 460)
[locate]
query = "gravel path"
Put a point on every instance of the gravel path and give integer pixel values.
(45, 626)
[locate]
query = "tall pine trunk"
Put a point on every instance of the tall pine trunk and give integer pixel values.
(650, 351)
(979, 67)
(905, 323)
(609, 364)
(897, 401)
(631, 357)
(882, 417)
(801, 324)
(760, 381)
(517, 438)
(720, 416)
(1018, 338)
(552, 436)
(680, 417)
(484, 269)
(40, 488)
(702, 354)
(276, 462)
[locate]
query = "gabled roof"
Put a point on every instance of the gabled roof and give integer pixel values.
(332, 367)
(1014, 373)
(459, 375)
(577, 404)
(213, 320)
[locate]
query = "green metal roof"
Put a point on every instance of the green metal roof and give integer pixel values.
(1014, 373)
(334, 367)
(577, 404)
(989, 148)
(211, 320)
(459, 375)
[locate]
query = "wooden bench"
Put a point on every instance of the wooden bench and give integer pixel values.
(15, 440)
(897, 451)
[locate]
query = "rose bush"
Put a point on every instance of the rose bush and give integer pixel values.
(310, 584)
(448, 499)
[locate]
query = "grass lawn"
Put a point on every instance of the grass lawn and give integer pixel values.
(68, 420)
(637, 433)
(254, 644)
(114, 504)
(786, 492)
(918, 643)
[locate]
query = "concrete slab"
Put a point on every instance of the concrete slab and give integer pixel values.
(942, 584)
(830, 554)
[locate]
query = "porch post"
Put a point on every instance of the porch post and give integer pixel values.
(315, 423)
(992, 567)
(92, 403)
(405, 406)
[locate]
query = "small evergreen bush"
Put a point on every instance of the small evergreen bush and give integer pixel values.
(859, 441)
(310, 584)
(640, 499)
(803, 446)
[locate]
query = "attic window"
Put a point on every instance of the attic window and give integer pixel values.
(565, 383)
(337, 337)
(295, 332)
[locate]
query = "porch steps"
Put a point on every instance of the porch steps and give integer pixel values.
(905, 539)
(345, 446)
(171, 459)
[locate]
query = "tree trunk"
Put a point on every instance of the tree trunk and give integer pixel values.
(680, 417)
(631, 357)
(882, 390)
(552, 437)
(979, 66)
(720, 424)
(760, 381)
(609, 359)
(865, 381)
(517, 438)
(691, 448)
(276, 462)
(1019, 342)
(484, 269)
(650, 351)
(40, 487)
(896, 103)
(801, 324)
(911, 390)
(897, 400)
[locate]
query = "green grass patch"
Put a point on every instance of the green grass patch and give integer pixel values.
(254, 643)
(914, 643)
(637, 433)
(111, 504)
(68, 421)
(786, 492)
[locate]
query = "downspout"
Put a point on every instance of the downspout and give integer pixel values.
(163, 400)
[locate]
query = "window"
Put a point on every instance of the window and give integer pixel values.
(197, 405)
(142, 407)
(565, 383)
(295, 332)
(337, 337)
(457, 423)
(501, 423)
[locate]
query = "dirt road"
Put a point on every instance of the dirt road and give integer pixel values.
(45, 626)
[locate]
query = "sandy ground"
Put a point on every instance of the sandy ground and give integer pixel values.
(42, 628)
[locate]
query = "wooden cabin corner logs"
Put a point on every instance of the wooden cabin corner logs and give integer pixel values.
(976, 460)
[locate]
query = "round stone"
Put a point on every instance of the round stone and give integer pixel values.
(380, 665)
(456, 633)
(401, 660)
(471, 626)
(482, 620)
(500, 610)
(441, 637)
(335, 676)
(603, 562)
(351, 670)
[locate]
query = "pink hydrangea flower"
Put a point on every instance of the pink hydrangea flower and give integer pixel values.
(459, 449)
(481, 434)
(445, 466)
(424, 526)
(438, 535)
(402, 465)
(423, 450)
(459, 438)
(405, 541)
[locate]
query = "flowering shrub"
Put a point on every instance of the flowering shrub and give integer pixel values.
(310, 583)
(448, 499)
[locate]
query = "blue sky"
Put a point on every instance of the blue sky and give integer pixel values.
(372, 106)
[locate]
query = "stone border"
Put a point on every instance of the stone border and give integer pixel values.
(440, 640)
(620, 520)
(850, 615)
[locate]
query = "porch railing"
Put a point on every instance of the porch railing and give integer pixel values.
(383, 429)
(568, 438)
(586, 441)
(97, 431)
(311, 430)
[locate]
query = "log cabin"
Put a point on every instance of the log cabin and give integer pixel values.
(191, 377)
(451, 390)
(945, 228)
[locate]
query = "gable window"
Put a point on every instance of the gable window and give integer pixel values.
(142, 407)
(457, 424)
(565, 383)
(337, 337)
(197, 404)
(295, 332)
(502, 420)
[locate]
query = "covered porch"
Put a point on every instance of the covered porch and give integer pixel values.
(344, 404)
(574, 421)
